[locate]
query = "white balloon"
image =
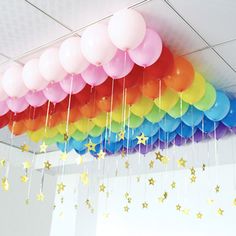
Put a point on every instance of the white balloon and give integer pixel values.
(3, 94)
(127, 29)
(50, 66)
(71, 57)
(13, 83)
(96, 45)
(31, 76)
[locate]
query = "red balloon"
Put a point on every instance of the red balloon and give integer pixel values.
(133, 94)
(74, 116)
(90, 110)
(4, 120)
(34, 124)
(108, 103)
(84, 95)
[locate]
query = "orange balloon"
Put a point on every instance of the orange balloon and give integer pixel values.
(74, 115)
(133, 94)
(17, 128)
(182, 76)
(90, 110)
(34, 124)
(53, 120)
(108, 104)
(153, 88)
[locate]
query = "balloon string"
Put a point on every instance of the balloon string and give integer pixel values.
(47, 117)
(30, 178)
(216, 153)
(128, 135)
(111, 109)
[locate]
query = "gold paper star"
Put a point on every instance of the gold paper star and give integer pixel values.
(127, 165)
(91, 146)
(5, 184)
(193, 179)
(24, 148)
(47, 165)
(181, 162)
(165, 195)
(165, 160)
(161, 199)
(217, 188)
(60, 187)
(87, 202)
(2, 163)
(121, 135)
(63, 156)
(142, 139)
(66, 137)
(178, 207)
(101, 154)
(158, 156)
(193, 172)
(185, 211)
(43, 147)
(199, 215)
(102, 188)
(203, 167)
(220, 212)
(151, 181)
(151, 164)
(126, 195)
(210, 201)
(126, 208)
(234, 202)
(129, 199)
(145, 205)
(40, 197)
(123, 153)
(84, 178)
(173, 185)
(26, 165)
(24, 178)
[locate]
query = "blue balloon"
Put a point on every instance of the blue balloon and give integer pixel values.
(166, 137)
(169, 124)
(130, 143)
(220, 109)
(207, 125)
(185, 131)
(66, 147)
(132, 133)
(192, 117)
(81, 152)
(79, 145)
(113, 147)
(230, 119)
(153, 139)
(97, 139)
(98, 148)
(148, 128)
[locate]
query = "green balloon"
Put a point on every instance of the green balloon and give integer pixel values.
(155, 115)
(208, 100)
(96, 131)
(179, 109)
(115, 126)
(134, 121)
(79, 136)
(53, 140)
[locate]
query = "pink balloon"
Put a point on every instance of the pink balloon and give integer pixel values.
(94, 75)
(119, 66)
(3, 108)
(72, 84)
(35, 99)
(54, 93)
(17, 105)
(148, 51)
(3, 94)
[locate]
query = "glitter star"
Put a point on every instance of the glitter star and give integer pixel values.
(164, 160)
(24, 148)
(5, 184)
(234, 202)
(2, 163)
(181, 162)
(178, 207)
(40, 197)
(66, 137)
(47, 165)
(87, 203)
(101, 154)
(126, 195)
(203, 167)
(142, 139)
(84, 178)
(185, 211)
(199, 215)
(145, 205)
(26, 165)
(63, 156)
(91, 146)
(173, 185)
(158, 156)
(217, 188)
(121, 135)
(165, 195)
(24, 178)
(161, 199)
(129, 199)
(123, 153)
(43, 147)
(126, 208)
(127, 165)
(102, 188)
(220, 212)
(193, 171)
(193, 178)
(151, 181)
(151, 164)
(60, 187)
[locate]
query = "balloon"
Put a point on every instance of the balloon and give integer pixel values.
(144, 149)
(179, 109)
(12, 82)
(71, 57)
(84, 125)
(72, 84)
(83, 96)
(169, 124)
(102, 120)
(3, 94)
(120, 114)
(185, 131)
(127, 29)
(62, 128)
(34, 124)
(166, 136)
(134, 121)
(196, 91)
(35, 99)
(162, 67)
(142, 107)
(192, 117)
(36, 136)
(17, 105)
(153, 88)
(207, 125)
(119, 66)
(220, 109)
(79, 145)
(208, 100)
(17, 128)
(182, 75)
(4, 120)
(219, 132)
(50, 66)
(107, 104)
(54, 93)
(149, 129)
(90, 109)
(3, 108)
(230, 119)
(168, 100)
(32, 78)
(55, 139)
(133, 94)
(116, 127)
(96, 45)
(179, 141)
(148, 51)
(198, 136)
(74, 115)
(96, 131)
(94, 75)
(50, 132)
(66, 147)
(105, 89)
(131, 134)
(79, 136)
(113, 147)
(155, 115)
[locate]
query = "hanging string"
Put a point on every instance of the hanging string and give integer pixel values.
(111, 108)
(216, 153)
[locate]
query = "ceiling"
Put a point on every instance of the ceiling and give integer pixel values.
(201, 30)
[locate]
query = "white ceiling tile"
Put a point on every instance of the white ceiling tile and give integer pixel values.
(23, 28)
(228, 52)
(214, 69)
(213, 19)
(174, 31)
(2, 59)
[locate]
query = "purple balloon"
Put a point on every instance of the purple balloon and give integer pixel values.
(178, 141)
(198, 136)
(220, 132)
(144, 149)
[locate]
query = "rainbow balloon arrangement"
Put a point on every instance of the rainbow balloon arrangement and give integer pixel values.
(118, 88)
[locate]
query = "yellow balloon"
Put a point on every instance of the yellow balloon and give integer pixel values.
(36, 136)
(84, 125)
(102, 119)
(51, 132)
(120, 114)
(62, 128)
(168, 100)
(196, 91)
(142, 107)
